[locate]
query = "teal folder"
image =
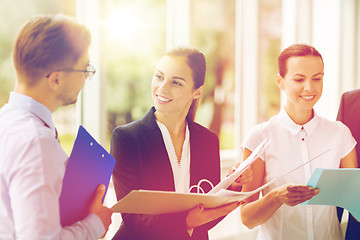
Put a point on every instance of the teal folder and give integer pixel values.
(89, 165)
(338, 187)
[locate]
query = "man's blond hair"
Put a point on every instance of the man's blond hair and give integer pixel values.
(47, 43)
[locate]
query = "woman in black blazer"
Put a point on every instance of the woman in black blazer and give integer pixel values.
(166, 150)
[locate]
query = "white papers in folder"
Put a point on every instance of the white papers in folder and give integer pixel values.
(226, 182)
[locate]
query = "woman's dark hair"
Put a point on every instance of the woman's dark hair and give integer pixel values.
(197, 63)
(295, 50)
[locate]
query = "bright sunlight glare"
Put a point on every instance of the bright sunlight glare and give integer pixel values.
(125, 25)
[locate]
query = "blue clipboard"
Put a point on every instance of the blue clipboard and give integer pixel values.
(89, 165)
(338, 187)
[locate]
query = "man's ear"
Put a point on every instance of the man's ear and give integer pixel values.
(280, 82)
(198, 92)
(54, 80)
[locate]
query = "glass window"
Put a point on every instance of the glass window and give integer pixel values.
(132, 41)
(269, 49)
(213, 33)
(16, 14)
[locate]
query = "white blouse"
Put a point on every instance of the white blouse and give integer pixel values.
(181, 171)
(290, 146)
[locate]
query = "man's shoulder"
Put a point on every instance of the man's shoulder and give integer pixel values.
(350, 104)
(17, 123)
(354, 94)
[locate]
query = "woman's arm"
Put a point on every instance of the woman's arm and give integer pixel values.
(350, 160)
(199, 216)
(256, 211)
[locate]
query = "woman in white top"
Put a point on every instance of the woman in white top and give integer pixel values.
(297, 135)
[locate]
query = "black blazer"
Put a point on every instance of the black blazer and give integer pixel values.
(142, 162)
(349, 114)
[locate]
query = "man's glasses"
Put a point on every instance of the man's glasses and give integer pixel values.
(88, 73)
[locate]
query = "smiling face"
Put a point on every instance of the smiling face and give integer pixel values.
(303, 84)
(173, 86)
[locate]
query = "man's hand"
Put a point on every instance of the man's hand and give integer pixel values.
(104, 213)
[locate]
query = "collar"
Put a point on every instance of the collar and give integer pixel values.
(33, 106)
(163, 128)
(149, 121)
(294, 128)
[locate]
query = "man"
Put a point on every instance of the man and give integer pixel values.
(51, 60)
(349, 114)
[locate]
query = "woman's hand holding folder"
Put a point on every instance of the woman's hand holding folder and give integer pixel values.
(200, 215)
(243, 179)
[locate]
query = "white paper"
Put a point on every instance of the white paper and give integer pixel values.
(226, 182)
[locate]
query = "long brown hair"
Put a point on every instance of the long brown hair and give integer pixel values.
(197, 63)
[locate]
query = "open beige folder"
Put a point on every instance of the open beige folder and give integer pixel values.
(160, 202)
